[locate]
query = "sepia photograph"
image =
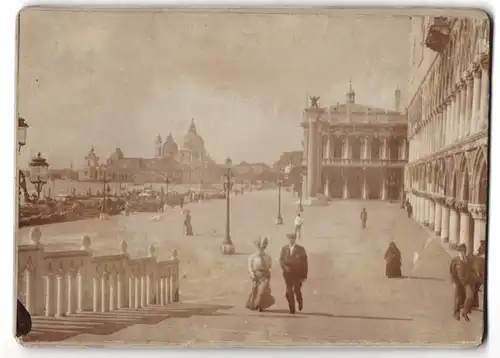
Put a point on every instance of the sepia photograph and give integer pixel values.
(251, 177)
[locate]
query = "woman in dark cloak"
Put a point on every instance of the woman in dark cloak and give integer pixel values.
(188, 229)
(392, 259)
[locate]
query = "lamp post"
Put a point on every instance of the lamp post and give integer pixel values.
(105, 190)
(22, 129)
(279, 218)
(39, 170)
(227, 247)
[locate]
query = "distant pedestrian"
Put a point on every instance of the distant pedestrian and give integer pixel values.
(409, 208)
(298, 225)
(464, 279)
(363, 217)
(393, 261)
(293, 262)
(188, 229)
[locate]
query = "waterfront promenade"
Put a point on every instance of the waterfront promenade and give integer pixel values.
(348, 300)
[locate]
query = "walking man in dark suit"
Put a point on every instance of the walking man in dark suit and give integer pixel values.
(293, 262)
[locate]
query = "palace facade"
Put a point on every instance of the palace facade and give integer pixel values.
(188, 164)
(447, 175)
(354, 151)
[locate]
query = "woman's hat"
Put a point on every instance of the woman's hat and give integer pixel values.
(261, 242)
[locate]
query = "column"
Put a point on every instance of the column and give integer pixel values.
(403, 149)
(327, 155)
(485, 95)
(312, 180)
(385, 148)
(79, 293)
(168, 289)
(345, 190)
(49, 290)
(431, 213)
(479, 215)
(463, 110)
(451, 105)
(465, 227)
(95, 297)
(468, 104)
(327, 186)
(476, 102)
(445, 223)
(454, 234)
(365, 187)
(346, 148)
(425, 211)
(383, 194)
(437, 217)
(70, 292)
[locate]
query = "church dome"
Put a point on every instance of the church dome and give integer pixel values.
(169, 148)
(193, 141)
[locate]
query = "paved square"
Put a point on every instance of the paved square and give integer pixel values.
(348, 299)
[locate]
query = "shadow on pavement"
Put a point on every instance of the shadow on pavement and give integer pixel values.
(422, 278)
(318, 314)
(58, 329)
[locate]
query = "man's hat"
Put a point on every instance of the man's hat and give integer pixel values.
(291, 236)
(462, 248)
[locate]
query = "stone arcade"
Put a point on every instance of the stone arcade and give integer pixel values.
(447, 175)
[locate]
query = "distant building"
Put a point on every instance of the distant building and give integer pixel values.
(253, 172)
(188, 164)
(354, 151)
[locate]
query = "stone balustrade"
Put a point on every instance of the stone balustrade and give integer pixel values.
(62, 283)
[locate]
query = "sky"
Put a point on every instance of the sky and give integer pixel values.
(117, 79)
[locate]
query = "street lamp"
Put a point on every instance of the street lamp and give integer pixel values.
(279, 218)
(39, 172)
(227, 247)
(105, 190)
(22, 129)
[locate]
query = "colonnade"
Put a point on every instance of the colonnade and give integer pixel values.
(365, 147)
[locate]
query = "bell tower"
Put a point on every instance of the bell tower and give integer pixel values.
(158, 143)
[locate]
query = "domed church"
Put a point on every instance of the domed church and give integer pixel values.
(188, 164)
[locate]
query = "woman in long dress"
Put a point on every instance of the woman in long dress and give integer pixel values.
(392, 261)
(259, 267)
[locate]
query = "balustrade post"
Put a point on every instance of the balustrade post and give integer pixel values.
(175, 276)
(137, 294)
(28, 280)
(112, 291)
(143, 291)
(120, 289)
(96, 294)
(59, 295)
(71, 295)
(49, 291)
(162, 291)
(168, 289)
(131, 292)
(79, 283)
(104, 281)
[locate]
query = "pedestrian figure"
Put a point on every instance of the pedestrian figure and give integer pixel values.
(293, 262)
(188, 229)
(479, 266)
(393, 260)
(259, 267)
(409, 209)
(464, 279)
(363, 217)
(298, 225)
